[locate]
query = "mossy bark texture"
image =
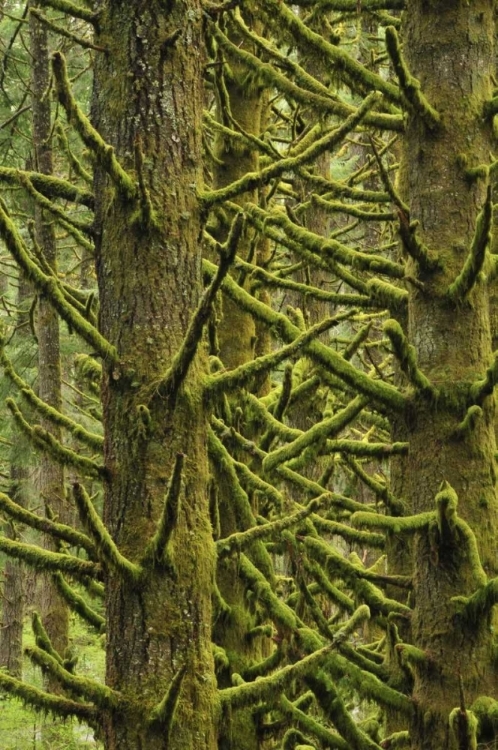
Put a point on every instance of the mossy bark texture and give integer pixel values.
(148, 106)
(54, 610)
(238, 343)
(449, 49)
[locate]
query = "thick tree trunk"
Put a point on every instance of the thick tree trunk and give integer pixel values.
(148, 101)
(449, 46)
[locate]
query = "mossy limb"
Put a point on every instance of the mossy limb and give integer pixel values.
(163, 714)
(106, 547)
(326, 428)
(101, 695)
(78, 604)
(51, 287)
(45, 441)
(266, 688)
(409, 85)
(46, 702)
(407, 357)
(157, 549)
(104, 153)
(57, 530)
(253, 180)
(241, 539)
(42, 559)
(461, 287)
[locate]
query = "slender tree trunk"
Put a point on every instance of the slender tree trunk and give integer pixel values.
(238, 343)
(13, 596)
(449, 47)
(148, 269)
(53, 608)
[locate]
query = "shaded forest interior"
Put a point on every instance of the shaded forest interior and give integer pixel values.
(248, 351)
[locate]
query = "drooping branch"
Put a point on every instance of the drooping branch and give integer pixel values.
(281, 82)
(57, 530)
(269, 687)
(332, 704)
(42, 559)
(322, 246)
(409, 85)
(461, 287)
(157, 549)
(57, 417)
(106, 547)
(241, 539)
(101, 695)
(60, 30)
(387, 295)
(240, 376)
(406, 355)
(45, 441)
(253, 180)
(72, 9)
(42, 638)
(330, 360)
(90, 137)
(312, 726)
(46, 702)
(324, 429)
(50, 286)
(78, 604)
(50, 186)
(183, 359)
(356, 75)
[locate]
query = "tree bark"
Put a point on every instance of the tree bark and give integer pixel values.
(148, 102)
(449, 48)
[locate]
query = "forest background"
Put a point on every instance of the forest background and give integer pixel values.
(249, 321)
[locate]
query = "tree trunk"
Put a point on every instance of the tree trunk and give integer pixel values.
(54, 611)
(449, 47)
(148, 101)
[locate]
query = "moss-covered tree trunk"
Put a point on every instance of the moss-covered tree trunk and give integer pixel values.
(449, 48)
(237, 334)
(51, 479)
(13, 595)
(148, 106)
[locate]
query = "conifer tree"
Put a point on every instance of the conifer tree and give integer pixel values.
(427, 679)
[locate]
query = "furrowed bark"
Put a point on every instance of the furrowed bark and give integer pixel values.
(150, 281)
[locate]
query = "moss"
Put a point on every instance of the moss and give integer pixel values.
(163, 714)
(461, 287)
(46, 560)
(326, 428)
(78, 604)
(45, 441)
(269, 687)
(272, 77)
(266, 174)
(73, 9)
(406, 355)
(56, 530)
(92, 139)
(46, 702)
(410, 86)
(106, 547)
(310, 725)
(51, 287)
(323, 355)
(102, 696)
